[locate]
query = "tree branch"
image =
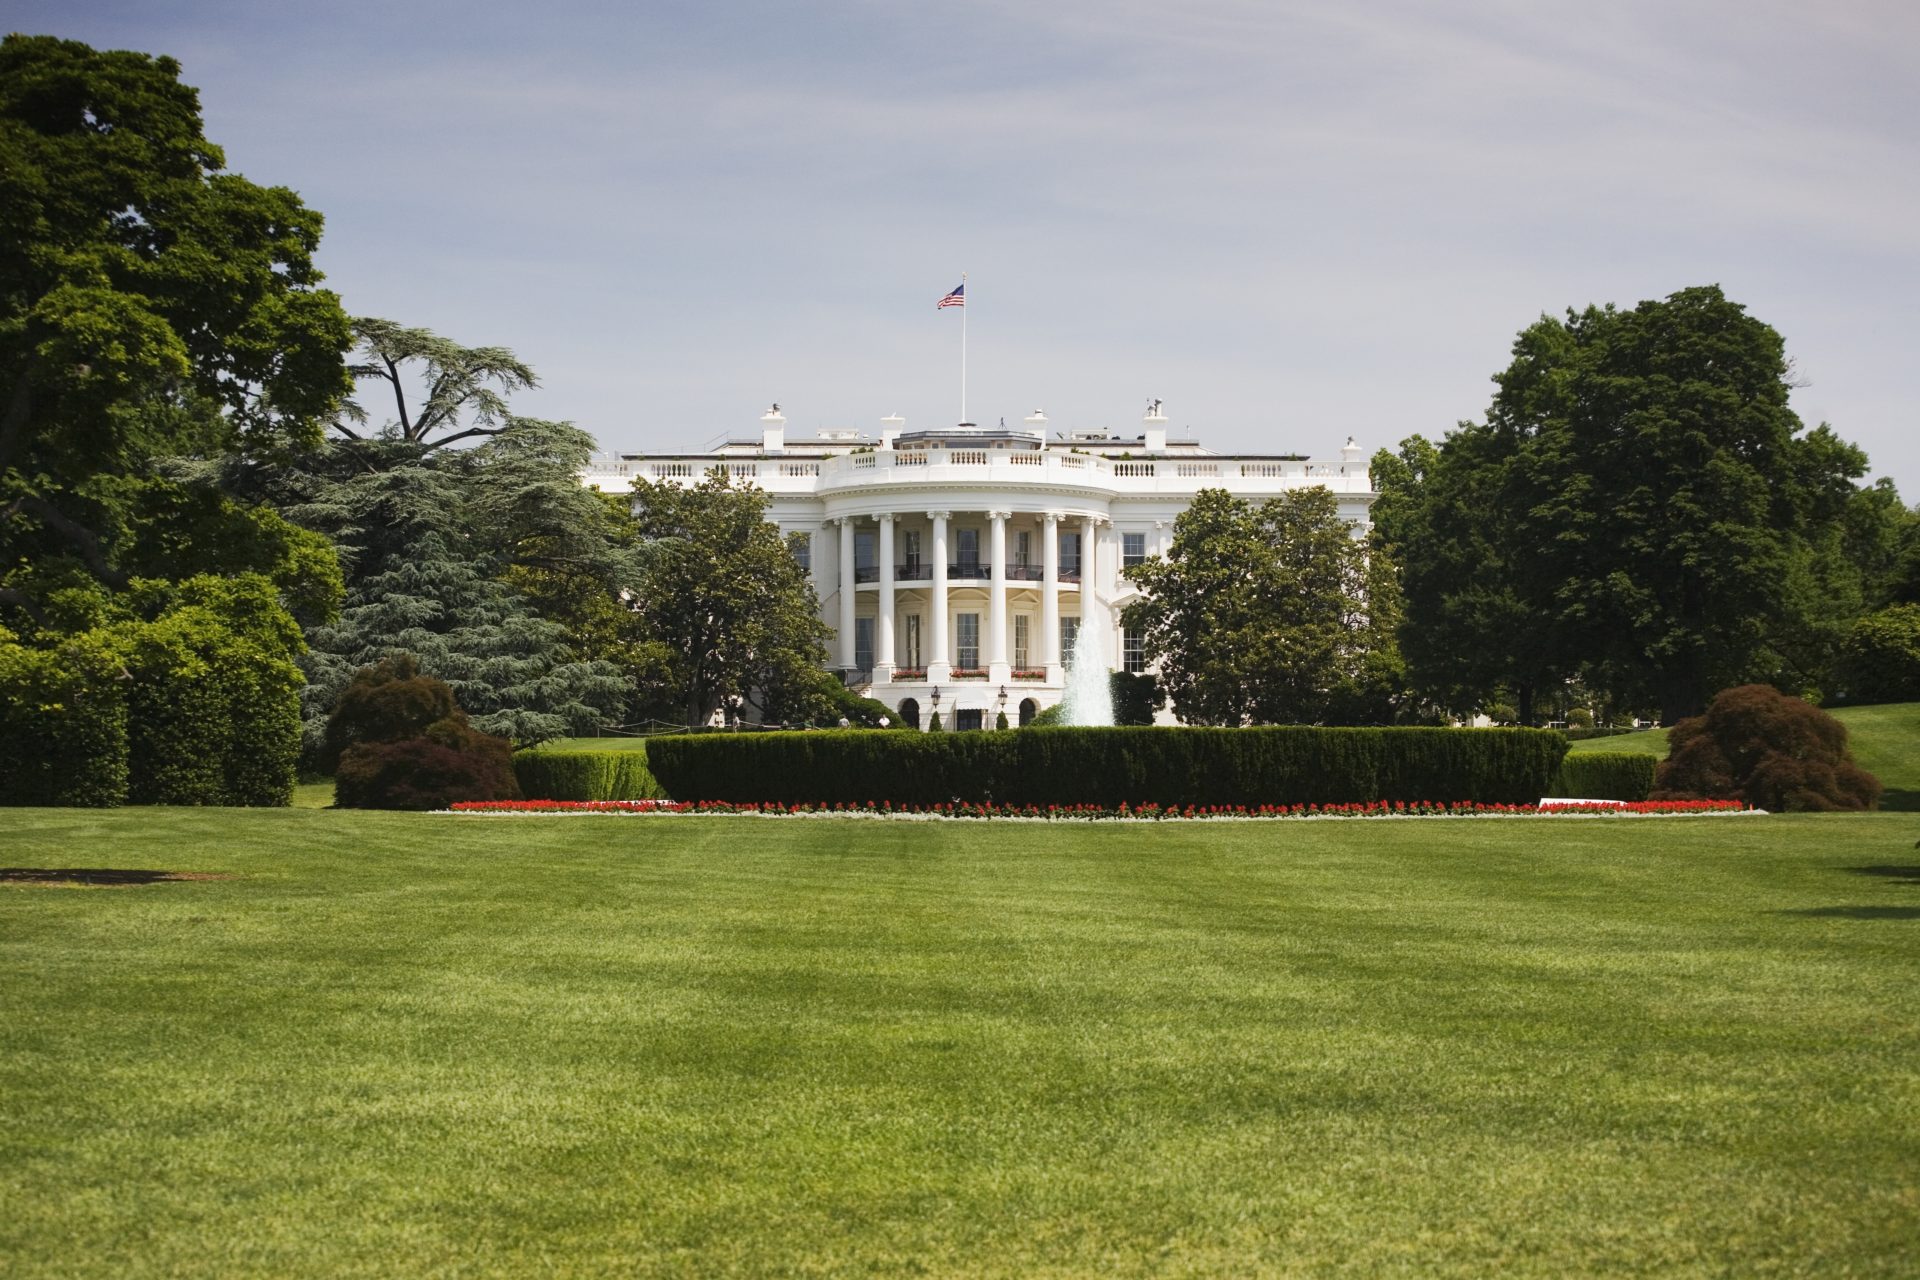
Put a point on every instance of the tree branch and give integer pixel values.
(399, 392)
(85, 540)
(13, 424)
(462, 435)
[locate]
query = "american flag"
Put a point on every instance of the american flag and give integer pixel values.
(958, 298)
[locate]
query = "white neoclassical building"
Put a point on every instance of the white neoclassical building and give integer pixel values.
(957, 565)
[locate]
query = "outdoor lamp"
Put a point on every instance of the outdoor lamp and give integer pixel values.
(1003, 697)
(936, 697)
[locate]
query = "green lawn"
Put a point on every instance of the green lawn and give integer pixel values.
(1646, 742)
(593, 744)
(394, 1045)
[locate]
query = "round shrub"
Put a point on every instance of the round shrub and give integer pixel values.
(399, 741)
(1773, 751)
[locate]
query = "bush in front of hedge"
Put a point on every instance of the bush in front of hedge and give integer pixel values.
(1605, 775)
(1168, 766)
(586, 775)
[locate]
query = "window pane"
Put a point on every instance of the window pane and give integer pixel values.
(913, 640)
(1069, 553)
(863, 643)
(1133, 548)
(1069, 632)
(1020, 629)
(863, 551)
(1133, 655)
(801, 544)
(967, 625)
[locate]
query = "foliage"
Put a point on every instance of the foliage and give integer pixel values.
(430, 772)
(430, 547)
(723, 599)
(1880, 661)
(1640, 507)
(1112, 766)
(1047, 716)
(464, 389)
(400, 741)
(150, 304)
(213, 699)
(1136, 696)
(934, 725)
(1605, 775)
(1774, 751)
(586, 775)
(63, 722)
(1269, 614)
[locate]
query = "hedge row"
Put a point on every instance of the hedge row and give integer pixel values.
(1133, 766)
(1605, 775)
(586, 775)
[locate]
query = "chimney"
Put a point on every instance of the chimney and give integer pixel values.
(773, 430)
(1156, 425)
(890, 428)
(1350, 463)
(1036, 422)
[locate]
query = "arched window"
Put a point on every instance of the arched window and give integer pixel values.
(1028, 710)
(910, 712)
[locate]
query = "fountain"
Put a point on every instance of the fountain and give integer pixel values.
(1089, 696)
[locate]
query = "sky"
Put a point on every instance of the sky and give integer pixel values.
(1292, 222)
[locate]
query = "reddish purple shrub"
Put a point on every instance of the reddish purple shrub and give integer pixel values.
(1773, 751)
(401, 742)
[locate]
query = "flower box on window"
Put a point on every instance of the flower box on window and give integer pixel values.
(1040, 674)
(969, 673)
(904, 674)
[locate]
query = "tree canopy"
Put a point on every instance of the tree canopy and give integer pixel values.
(724, 605)
(1641, 507)
(1269, 614)
(150, 304)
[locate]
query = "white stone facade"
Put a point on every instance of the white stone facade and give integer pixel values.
(954, 564)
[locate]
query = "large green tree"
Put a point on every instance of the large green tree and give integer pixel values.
(1641, 506)
(150, 303)
(1270, 614)
(724, 604)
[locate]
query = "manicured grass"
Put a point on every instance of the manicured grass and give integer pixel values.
(1886, 743)
(414, 1045)
(1651, 742)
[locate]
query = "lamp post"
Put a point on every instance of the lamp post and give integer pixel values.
(935, 695)
(1003, 701)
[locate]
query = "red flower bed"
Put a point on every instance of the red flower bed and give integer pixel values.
(1083, 812)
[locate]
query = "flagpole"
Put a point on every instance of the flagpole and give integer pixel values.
(963, 347)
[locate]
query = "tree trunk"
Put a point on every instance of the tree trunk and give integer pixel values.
(1524, 695)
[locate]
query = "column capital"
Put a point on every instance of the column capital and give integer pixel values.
(999, 515)
(1051, 517)
(1161, 524)
(886, 517)
(938, 515)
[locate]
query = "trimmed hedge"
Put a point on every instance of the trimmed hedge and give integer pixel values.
(1605, 775)
(586, 775)
(1167, 766)
(63, 723)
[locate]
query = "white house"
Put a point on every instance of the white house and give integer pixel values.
(955, 565)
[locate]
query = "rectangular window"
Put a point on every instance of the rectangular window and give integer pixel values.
(1069, 632)
(974, 719)
(968, 543)
(1070, 553)
(913, 641)
(967, 630)
(800, 543)
(863, 643)
(1133, 549)
(862, 554)
(1020, 629)
(912, 560)
(1133, 651)
(1023, 549)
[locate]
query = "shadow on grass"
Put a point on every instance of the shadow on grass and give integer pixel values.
(1897, 874)
(1859, 913)
(97, 875)
(1899, 800)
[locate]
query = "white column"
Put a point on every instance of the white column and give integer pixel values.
(939, 665)
(883, 622)
(1050, 595)
(997, 669)
(846, 592)
(1162, 537)
(1091, 614)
